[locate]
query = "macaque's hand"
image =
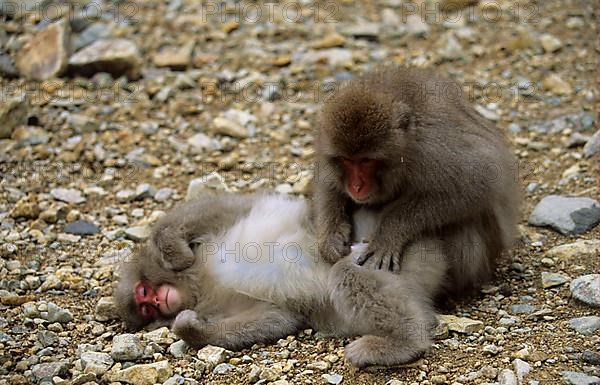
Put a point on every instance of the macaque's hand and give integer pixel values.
(189, 328)
(335, 244)
(175, 252)
(382, 255)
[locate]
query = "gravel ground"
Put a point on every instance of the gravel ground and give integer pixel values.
(111, 112)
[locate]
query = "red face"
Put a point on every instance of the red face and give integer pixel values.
(165, 300)
(360, 177)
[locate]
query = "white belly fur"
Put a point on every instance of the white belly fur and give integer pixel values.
(269, 255)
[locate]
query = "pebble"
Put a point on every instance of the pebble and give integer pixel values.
(13, 113)
(577, 378)
(178, 349)
(159, 336)
(553, 279)
(163, 194)
(590, 357)
(567, 215)
(210, 182)
(213, 355)
(105, 309)
(97, 363)
(46, 55)
(333, 378)
(176, 58)
(461, 324)
(550, 43)
(49, 370)
(223, 368)
(592, 146)
(223, 126)
(579, 250)
(127, 347)
(81, 227)
(557, 85)
(138, 233)
(124, 196)
(507, 377)
(142, 374)
(114, 56)
(585, 289)
(145, 190)
(57, 314)
(585, 325)
(67, 195)
(522, 369)
(416, 26)
(201, 143)
(522, 308)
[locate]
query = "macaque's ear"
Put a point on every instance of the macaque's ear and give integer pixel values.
(402, 116)
(173, 248)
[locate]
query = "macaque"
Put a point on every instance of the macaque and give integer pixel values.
(404, 144)
(235, 270)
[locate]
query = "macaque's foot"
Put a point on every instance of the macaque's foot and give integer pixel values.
(374, 350)
(380, 257)
(335, 245)
(189, 328)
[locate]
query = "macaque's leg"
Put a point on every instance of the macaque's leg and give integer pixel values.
(394, 312)
(262, 323)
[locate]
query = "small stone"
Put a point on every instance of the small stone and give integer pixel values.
(223, 126)
(124, 196)
(522, 308)
(416, 26)
(585, 325)
(81, 228)
(507, 377)
(46, 55)
(590, 357)
(159, 336)
(579, 250)
(363, 30)
(461, 324)
(486, 113)
(550, 43)
(96, 362)
(176, 58)
(585, 289)
(67, 195)
(577, 378)
(592, 147)
(49, 370)
(114, 56)
(13, 113)
(210, 182)
(163, 194)
(491, 349)
(178, 349)
(521, 368)
(143, 374)
(201, 143)
(553, 279)
(333, 378)
(223, 368)
(29, 136)
(439, 379)
(68, 238)
(254, 374)
(270, 374)
(25, 208)
(319, 365)
(567, 215)
(127, 347)
(451, 49)
(329, 41)
(47, 338)
(557, 85)
(138, 233)
(144, 190)
(58, 314)
(213, 355)
(106, 309)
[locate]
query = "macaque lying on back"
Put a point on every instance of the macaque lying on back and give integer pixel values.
(235, 270)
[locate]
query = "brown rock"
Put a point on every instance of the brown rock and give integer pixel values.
(177, 58)
(114, 56)
(25, 208)
(13, 113)
(46, 54)
(329, 41)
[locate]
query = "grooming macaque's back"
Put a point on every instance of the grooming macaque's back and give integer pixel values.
(243, 269)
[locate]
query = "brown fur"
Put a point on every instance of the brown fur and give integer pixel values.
(446, 172)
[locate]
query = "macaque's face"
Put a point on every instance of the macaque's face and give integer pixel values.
(359, 177)
(164, 300)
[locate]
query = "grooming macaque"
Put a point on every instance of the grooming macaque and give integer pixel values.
(235, 270)
(405, 144)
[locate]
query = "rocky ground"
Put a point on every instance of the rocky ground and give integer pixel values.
(113, 111)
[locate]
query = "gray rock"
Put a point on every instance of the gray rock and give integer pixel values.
(4, 338)
(8, 70)
(211, 182)
(568, 215)
(201, 143)
(225, 126)
(68, 195)
(127, 347)
(223, 368)
(461, 324)
(47, 338)
(138, 233)
(521, 368)
(124, 196)
(333, 378)
(590, 357)
(89, 35)
(553, 279)
(96, 362)
(212, 355)
(13, 113)
(58, 314)
(46, 55)
(153, 373)
(145, 190)
(106, 309)
(585, 325)
(507, 377)
(577, 378)
(416, 26)
(163, 194)
(178, 349)
(586, 289)
(81, 227)
(522, 308)
(48, 370)
(592, 147)
(114, 56)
